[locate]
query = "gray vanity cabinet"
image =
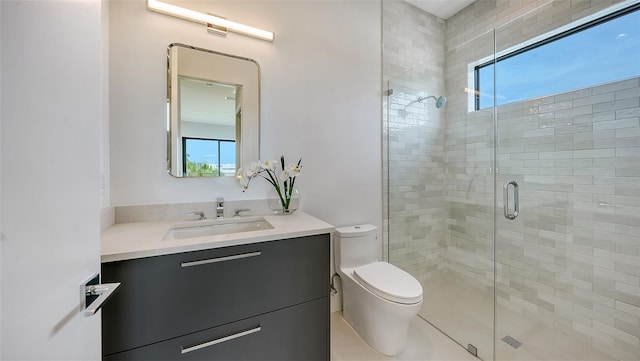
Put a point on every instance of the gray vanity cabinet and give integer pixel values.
(262, 301)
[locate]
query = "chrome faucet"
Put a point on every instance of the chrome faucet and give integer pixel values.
(220, 208)
(200, 214)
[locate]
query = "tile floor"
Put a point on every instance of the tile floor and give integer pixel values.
(456, 304)
(466, 315)
(425, 344)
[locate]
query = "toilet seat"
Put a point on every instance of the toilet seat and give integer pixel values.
(389, 282)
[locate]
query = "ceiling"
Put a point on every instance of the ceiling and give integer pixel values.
(203, 101)
(441, 8)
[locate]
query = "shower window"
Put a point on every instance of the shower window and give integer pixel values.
(600, 51)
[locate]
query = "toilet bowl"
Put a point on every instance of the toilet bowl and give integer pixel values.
(379, 299)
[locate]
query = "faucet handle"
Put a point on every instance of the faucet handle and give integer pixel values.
(200, 214)
(236, 213)
(220, 201)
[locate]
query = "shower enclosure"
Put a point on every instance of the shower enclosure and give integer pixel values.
(519, 212)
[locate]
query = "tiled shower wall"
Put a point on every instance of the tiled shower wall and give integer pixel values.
(414, 209)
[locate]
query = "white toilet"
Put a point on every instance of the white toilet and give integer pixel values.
(379, 299)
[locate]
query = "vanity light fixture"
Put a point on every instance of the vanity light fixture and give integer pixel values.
(207, 19)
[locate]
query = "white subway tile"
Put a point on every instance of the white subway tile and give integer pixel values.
(595, 153)
(617, 124)
(633, 152)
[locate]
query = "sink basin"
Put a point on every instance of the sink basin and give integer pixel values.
(217, 227)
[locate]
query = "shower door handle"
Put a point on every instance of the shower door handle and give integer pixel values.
(514, 215)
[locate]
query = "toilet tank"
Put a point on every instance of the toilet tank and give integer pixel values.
(357, 245)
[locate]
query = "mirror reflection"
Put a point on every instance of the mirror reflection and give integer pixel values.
(213, 124)
(208, 116)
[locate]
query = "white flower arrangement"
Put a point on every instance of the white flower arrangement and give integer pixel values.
(283, 181)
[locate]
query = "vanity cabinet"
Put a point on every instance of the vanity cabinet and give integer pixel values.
(260, 301)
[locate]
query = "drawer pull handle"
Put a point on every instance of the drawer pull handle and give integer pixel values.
(220, 340)
(220, 259)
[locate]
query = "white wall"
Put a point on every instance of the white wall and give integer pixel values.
(1, 189)
(320, 101)
(105, 196)
(53, 93)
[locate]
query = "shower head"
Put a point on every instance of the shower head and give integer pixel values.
(440, 101)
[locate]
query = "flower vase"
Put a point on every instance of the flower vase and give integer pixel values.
(276, 203)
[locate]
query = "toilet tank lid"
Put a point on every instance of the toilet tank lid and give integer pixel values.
(356, 231)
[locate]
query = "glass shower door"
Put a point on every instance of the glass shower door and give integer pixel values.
(441, 194)
(568, 161)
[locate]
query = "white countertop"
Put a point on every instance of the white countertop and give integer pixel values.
(136, 240)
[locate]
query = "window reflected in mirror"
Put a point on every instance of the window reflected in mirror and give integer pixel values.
(208, 157)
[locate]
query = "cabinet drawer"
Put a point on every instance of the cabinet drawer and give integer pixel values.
(296, 333)
(168, 296)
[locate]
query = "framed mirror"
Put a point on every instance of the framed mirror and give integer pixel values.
(213, 124)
